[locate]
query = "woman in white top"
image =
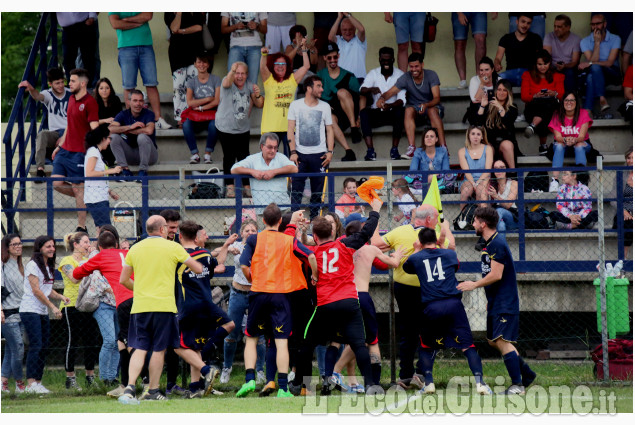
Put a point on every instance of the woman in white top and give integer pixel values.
(505, 192)
(39, 274)
(96, 192)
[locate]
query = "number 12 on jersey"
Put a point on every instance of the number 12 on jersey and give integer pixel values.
(438, 270)
(329, 266)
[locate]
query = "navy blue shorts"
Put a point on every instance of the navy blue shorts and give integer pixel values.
(69, 164)
(340, 321)
(100, 213)
(370, 318)
(270, 314)
(153, 331)
(502, 326)
(197, 329)
(445, 325)
(123, 316)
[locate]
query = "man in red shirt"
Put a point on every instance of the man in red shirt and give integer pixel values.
(68, 156)
(338, 316)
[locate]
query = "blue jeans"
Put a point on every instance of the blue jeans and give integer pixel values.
(308, 163)
(476, 20)
(37, 330)
(248, 54)
(190, 128)
(559, 151)
(409, 26)
(238, 305)
(596, 80)
(136, 59)
(537, 25)
(14, 351)
(506, 221)
(514, 76)
(106, 317)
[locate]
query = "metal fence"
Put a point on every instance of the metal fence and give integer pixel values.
(562, 286)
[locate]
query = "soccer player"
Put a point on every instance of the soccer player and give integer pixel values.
(276, 270)
(499, 281)
(202, 324)
(443, 323)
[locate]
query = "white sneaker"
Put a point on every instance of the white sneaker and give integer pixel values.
(520, 117)
(225, 375)
(35, 388)
(554, 186)
(207, 158)
(463, 84)
(195, 159)
(161, 124)
(117, 392)
(484, 389)
(261, 378)
(428, 389)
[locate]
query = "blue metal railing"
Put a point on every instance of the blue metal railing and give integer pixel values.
(17, 164)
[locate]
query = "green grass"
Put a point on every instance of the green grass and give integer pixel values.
(566, 375)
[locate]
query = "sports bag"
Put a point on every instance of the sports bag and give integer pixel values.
(463, 221)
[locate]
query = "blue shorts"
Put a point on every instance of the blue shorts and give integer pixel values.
(370, 318)
(476, 20)
(445, 325)
(137, 59)
(153, 331)
(270, 314)
(409, 26)
(196, 329)
(69, 164)
(100, 213)
(502, 326)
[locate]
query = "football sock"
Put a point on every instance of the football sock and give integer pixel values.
(214, 344)
(205, 370)
(474, 361)
(270, 361)
(195, 386)
(426, 358)
(528, 375)
(250, 375)
(330, 359)
(124, 363)
(513, 367)
(363, 362)
(282, 381)
(375, 369)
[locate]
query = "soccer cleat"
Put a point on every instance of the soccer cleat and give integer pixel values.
(125, 173)
(207, 158)
(19, 387)
(296, 389)
(128, 399)
(428, 389)
(404, 383)
(209, 379)
(554, 186)
(117, 392)
(225, 375)
(483, 389)
(349, 156)
(326, 387)
(155, 396)
(370, 155)
(260, 377)
(71, 383)
(268, 389)
(543, 149)
(338, 382)
(514, 389)
(195, 159)
(529, 379)
(394, 153)
(248, 387)
(304, 392)
(5, 387)
(196, 394)
(356, 135)
(174, 390)
(417, 381)
(291, 376)
(530, 130)
(409, 153)
(161, 124)
(284, 394)
(374, 390)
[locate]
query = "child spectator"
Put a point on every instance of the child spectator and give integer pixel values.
(348, 197)
(402, 194)
(573, 214)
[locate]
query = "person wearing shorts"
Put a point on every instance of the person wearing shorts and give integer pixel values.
(460, 23)
(501, 290)
(409, 27)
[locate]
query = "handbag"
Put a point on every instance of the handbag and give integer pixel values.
(198, 116)
(90, 292)
(208, 41)
(430, 33)
(464, 220)
(206, 188)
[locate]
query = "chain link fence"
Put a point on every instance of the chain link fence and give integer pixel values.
(562, 286)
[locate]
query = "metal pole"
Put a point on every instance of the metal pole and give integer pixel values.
(182, 191)
(605, 337)
(391, 285)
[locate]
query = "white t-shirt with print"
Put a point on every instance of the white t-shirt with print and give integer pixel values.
(95, 190)
(30, 304)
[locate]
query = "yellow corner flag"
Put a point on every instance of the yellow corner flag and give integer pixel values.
(433, 197)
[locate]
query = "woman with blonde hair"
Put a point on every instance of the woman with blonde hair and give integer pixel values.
(477, 154)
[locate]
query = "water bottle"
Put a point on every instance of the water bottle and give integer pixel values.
(609, 269)
(618, 268)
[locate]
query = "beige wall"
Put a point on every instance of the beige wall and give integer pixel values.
(439, 55)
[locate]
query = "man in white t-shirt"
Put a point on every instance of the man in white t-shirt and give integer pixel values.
(244, 42)
(310, 135)
(352, 46)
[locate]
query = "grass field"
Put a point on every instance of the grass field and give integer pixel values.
(561, 387)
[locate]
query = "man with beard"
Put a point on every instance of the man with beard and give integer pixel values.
(519, 48)
(377, 82)
(501, 290)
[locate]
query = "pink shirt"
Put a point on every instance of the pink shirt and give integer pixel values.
(346, 199)
(568, 129)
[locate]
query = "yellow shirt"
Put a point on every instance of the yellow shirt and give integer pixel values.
(278, 97)
(71, 289)
(154, 261)
(405, 236)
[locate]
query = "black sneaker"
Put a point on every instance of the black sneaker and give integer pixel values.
(154, 396)
(542, 150)
(295, 389)
(71, 384)
(394, 153)
(370, 155)
(85, 230)
(349, 156)
(356, 135)
(90, 379)
(41, 175)
(326, 387)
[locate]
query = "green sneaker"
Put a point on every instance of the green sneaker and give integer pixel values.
(248, 387)
(282, 393)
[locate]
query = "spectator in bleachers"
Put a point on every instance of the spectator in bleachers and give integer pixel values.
(12, 291)
(237, 96)
(538, 22)
(481, 85)
(497, 116)
(348, 197)
(576, 213)
(628, 95)
(382, 111)
(186, 41)
(56, 101)
(430, 156)
(423, 100)
(280, 83)
(278, 26)
(519, 48)
(409, 27)
(109, 106)
(352, 44)
(68, 156)
(294, 50)
(570, 126)
(39, 275)
(627, 53)
(600, 49)
(405, 198)
(627, 196)
(322, 24)
(541, 90)
(203, 97)
(245, 43)
(97, 192)
(564, 47)
(341, 92)
(619, 23)
(460, 22)
(133, 137)
(78, 33)
(505, 191)
(476, 155)
(136, 55)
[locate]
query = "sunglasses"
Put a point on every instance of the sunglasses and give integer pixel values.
(279, 63)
